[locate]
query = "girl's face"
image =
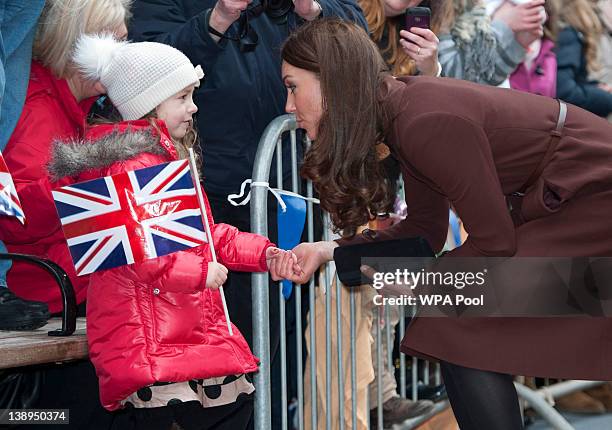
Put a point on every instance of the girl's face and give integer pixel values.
(303, 98)
(177, 112)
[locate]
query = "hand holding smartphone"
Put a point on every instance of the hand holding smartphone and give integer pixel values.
(418, 17)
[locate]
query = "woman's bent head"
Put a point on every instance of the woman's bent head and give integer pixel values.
(333, 73)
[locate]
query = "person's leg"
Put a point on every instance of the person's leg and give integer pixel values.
(73, 386)
(389, 385)
(233, 416)
(481, 399)
(395, 409)
(17, 27)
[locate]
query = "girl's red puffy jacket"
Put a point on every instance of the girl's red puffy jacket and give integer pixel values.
(155, 321)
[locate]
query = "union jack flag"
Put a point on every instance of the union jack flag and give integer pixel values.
(130, 217)
(9, 202)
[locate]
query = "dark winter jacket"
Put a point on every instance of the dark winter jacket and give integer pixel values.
(242, 91)
(573, 85)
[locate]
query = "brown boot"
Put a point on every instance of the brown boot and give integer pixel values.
(397, 410)
(580, 403)
(603, 393)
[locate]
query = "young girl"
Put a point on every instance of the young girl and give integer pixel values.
(156, 329)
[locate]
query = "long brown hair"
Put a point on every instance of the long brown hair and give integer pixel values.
(581, 15)
(551, 26)
(343, 163)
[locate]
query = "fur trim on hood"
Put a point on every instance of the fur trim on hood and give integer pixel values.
(72, 157)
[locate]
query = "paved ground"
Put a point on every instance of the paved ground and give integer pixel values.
(579, 422)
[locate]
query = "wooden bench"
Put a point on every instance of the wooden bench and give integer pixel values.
(26, 348)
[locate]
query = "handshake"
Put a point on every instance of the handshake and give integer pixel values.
(297, 265)
(281, 265)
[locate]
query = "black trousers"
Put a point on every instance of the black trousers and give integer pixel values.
(187, 416)
(72, 386)
(481, 399)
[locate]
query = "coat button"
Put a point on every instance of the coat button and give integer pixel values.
(156, 291)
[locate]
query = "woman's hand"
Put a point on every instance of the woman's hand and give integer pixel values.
(216, 275)
(282, 264)
(310, 256)
(421, 45)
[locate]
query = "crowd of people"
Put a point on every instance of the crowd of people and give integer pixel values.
(91, 88)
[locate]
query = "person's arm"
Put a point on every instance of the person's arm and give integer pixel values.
(506, 52)
(427, 218)
(165, 21)
(455, 154)
(571, 87)
(345, 9)
(239, 251)
(26, 155)
(509, 52)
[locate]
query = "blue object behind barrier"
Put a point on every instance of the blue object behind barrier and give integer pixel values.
(454, 223)
(290, 227)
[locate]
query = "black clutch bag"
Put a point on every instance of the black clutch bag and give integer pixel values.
(348, 258)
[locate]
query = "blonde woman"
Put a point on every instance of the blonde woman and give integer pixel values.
(57, 101)
(577, 53)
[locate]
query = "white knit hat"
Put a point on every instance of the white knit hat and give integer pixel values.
(137, 76)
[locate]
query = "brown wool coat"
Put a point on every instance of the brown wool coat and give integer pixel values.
(472, 145)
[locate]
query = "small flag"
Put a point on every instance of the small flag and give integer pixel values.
(130, 217)
(9, 202)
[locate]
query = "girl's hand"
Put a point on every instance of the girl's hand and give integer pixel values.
(421, 45)
(216, 276)
(310, 256)
(282, 264)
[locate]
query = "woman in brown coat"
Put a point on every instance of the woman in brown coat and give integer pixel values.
(471, 146)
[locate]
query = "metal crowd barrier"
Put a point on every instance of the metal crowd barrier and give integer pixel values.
(271, 142)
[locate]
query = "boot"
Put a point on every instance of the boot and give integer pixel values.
(580, 403)
(397, 410)
(602, 393)
(19, 314)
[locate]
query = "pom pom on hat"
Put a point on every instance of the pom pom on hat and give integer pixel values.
(94, 53)
(137, 76)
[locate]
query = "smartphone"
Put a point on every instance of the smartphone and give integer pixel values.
(418, 17)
